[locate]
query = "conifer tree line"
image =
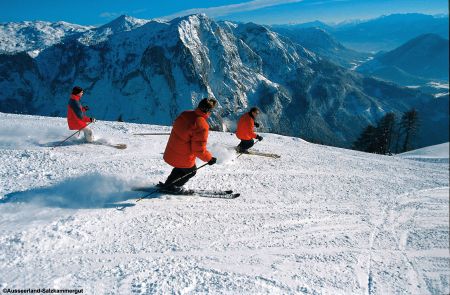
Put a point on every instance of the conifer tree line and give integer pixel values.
(390, 135)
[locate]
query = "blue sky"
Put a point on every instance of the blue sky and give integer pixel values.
(96, 12)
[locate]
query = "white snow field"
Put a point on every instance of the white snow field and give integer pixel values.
(319, 220)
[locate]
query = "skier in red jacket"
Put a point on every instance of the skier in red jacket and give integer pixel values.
(245, 131)
(187, 142)
(76, 117)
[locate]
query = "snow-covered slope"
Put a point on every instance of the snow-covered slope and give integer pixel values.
(435, 153)
(319, 220)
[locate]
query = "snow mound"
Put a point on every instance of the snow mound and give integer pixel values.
(435, 153)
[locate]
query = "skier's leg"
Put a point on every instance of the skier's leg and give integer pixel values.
(244, 145)
(175, 174)
(191, 171)
(88, 134)
(180, 172)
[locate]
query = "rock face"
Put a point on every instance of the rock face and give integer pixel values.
(150, 71)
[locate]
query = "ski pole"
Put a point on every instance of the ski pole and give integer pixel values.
(70, 136)
(151, 134)
(176, 180)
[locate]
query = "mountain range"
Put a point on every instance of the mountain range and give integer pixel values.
(149, 71)
(384, 33)
(420, 60)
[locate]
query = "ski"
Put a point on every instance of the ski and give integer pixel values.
(225, 194)
(207, 193)
(119, 146)
(157, 133)
(218, 196)
(262, 154)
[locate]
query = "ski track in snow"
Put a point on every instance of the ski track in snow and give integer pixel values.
(320, 220)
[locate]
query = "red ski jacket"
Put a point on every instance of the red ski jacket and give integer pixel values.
(245, 127)
(76, 117)
(188, 140)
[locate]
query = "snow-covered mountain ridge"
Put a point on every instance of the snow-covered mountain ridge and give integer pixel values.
(34, 37)
(149, 72)
(319, 220)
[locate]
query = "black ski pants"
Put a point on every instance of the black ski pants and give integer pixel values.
(244, 145)
(178, 173)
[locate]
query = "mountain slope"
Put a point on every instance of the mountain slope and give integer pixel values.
(423, 58)
(322, 43)
(318, 220)
(151, 73)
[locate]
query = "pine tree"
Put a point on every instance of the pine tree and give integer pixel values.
(409, 126)
(377, 139)
(384, 134)
(365, 141)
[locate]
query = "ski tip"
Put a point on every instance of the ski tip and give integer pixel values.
(234, 196)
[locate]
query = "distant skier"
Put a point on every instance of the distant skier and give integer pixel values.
(187, 142)
(245, 131)
(76, 117)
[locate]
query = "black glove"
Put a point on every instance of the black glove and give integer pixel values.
(212, 161)
(259, 137)
(256, 124)
(86, 108)
(93, 120)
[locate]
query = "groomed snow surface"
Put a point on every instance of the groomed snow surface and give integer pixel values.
(319, 220)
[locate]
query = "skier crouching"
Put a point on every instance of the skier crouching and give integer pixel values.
(187, 142)
(76, 114)
(245, 131)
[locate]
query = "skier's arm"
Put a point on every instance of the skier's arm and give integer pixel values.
(199, 140)
(83, 111)
(250, 128)
(87, 119)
